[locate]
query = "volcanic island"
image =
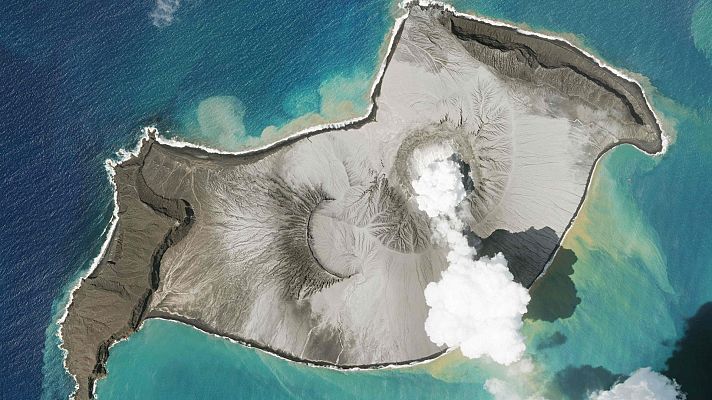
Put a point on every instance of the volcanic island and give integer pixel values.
(313, 248)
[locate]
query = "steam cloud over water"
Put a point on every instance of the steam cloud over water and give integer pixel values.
(162, 13)
(476, 305)
(644, 384)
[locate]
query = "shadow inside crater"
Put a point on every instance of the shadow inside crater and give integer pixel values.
(465, 170)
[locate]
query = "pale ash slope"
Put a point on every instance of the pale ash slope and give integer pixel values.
(315, 249)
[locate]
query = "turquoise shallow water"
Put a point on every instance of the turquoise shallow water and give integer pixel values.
(642, 244)
(217, 368)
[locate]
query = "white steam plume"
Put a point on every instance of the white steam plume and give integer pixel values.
(504, 390)
(500, 390)
(644, 384)
(162, 13)
(476, 305)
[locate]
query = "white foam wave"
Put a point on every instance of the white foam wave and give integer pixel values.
(109, 165)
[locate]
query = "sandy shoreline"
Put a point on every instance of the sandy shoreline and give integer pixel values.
(344, 125)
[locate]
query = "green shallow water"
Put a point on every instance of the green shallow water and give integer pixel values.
(640, 245)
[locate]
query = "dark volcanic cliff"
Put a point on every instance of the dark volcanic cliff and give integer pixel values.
(576, 73)
(112, 300)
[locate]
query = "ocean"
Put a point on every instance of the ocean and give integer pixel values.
(79, 79)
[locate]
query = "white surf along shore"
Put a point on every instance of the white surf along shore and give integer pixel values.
(124, 155)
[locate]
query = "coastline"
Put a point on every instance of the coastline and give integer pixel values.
(124, 155)
(372, 107)
(109, 165)
(314, 130)
(179, 319)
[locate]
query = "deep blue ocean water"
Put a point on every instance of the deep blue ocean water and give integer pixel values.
(79, 79)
